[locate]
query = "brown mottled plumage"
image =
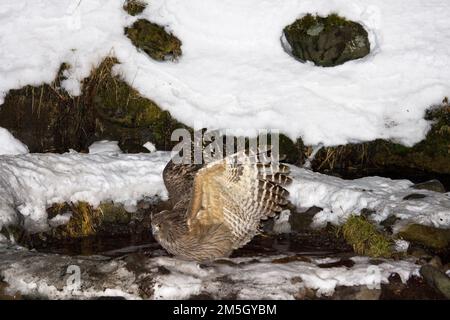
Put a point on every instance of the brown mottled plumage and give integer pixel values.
(218, 207)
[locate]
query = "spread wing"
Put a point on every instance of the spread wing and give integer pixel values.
(238, 192)
(179, 180)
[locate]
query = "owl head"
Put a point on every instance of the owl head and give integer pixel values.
(160, 224)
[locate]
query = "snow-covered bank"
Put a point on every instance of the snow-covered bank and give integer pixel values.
(46, 275)
(340, 198)
(30, 183)
(234, 73)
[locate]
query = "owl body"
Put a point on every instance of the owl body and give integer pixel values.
(218, 207)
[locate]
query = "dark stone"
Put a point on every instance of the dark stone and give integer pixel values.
(427, 236)
(414, 196)
(301, 221)
(348, 263)
(134, 7)
(431, 185)
(355, 293)
(154, 40)
(437, 279)
(389, 222)
(327, 41)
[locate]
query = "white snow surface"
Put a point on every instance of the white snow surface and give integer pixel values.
(341, 198)
(30, 183)
(104, 146)
(10, 145)
(234, 72)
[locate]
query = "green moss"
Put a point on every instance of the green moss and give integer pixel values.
(154, 40)
(427, 236)
(134, 7)
(364, 237)
(308, 21)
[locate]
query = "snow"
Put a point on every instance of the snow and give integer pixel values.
(149, 146)
(9, 144)
(234, 72)
(104, 146)
(60, 219)
(45, 275)
(401, 245)
(341, 198)
(32, 182)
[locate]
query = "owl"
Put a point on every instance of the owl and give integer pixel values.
(218, 207)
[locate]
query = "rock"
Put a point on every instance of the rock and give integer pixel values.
(437, 279)
(154, 40)
(356, 293)
(414, 196)
(425, 235)
(327, 41)
(134, 7)
(301, 221)
(436, 262)
(431, 185)
(389, 222)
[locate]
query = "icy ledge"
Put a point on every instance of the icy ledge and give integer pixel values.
(340, 198)
(29, 273)
(31, 183)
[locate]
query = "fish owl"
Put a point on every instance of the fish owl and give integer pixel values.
(218, 207)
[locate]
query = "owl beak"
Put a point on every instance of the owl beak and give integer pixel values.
(155, 231)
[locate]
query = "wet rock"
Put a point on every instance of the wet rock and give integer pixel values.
(425, 235)
(301, 221)
(134, 7)
(348, 263)
(415, 288)
(291, 259)
(154, 40)
(356, 293)
(437, 279)
(431, 185)
(414, 196)
(436, 262)
(389, 222)
(327, 41)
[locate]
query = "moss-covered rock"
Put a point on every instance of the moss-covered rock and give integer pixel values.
(134, 7)
(154, 40)
(364, 237)
(427, 236)
(47, 119)
(327, 41)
